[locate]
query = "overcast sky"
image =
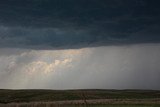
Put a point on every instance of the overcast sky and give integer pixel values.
(76, 44)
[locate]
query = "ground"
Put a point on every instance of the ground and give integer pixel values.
(19, 96)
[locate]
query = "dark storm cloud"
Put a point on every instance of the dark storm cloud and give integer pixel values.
(78, 23)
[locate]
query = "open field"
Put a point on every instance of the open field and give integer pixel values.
(48, 105)
(111, 102)
(50, 98)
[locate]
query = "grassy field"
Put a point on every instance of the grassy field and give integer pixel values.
(17, 96)
(84, 106)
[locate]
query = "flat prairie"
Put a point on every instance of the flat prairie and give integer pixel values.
(51, 98)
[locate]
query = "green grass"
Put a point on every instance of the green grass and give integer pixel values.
(42, 105)
(8, 96)
(117, 106)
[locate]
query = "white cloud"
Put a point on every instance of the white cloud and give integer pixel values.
(44, 67)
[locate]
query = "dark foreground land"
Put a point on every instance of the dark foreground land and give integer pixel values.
(24, 98)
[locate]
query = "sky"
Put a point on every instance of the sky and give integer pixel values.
(80, 44)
